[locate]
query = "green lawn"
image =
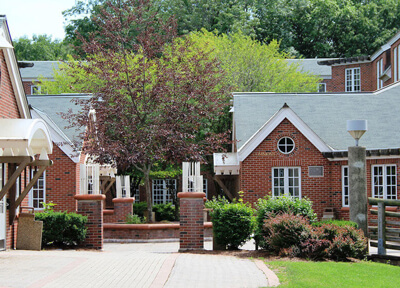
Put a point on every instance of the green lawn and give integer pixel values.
(335, 274)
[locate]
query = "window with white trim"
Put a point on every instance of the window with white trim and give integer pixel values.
(286, 145)
(397, 59)
(162, 189)
(395, 70)
(353, 80)
(384, 182)
(136, 194)
(321, 87)
(379, 71)
(38, 191)
(286, 182)
(35, 90)
(345, 186)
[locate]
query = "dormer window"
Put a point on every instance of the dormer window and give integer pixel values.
(353, 80)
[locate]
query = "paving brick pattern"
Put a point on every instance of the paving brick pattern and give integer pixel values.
(126, 265)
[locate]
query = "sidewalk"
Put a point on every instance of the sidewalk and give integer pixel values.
(128, 265)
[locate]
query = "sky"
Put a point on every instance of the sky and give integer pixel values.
(29, 17)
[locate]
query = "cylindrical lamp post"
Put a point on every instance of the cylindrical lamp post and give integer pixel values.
(358, 199)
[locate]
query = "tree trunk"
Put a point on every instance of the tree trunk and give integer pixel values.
(148, 196)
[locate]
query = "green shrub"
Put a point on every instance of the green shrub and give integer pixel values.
(286, 231)
(164, 212)
(139, 209)
(339, 223)
(292, 235)
(134, 219)
(62, 228)
(269, 207)
(233, 223)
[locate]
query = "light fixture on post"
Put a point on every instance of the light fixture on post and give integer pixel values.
(357, 128)
(357, 176)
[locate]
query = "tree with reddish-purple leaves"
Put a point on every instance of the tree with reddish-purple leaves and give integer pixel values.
(155, 96)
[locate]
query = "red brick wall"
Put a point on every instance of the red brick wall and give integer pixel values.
(147, 231)
(8, 104)
(122, 208)
(326, 191)
(93, 209)
(191, 231)
(27, 87)
(61, 185)
(337, 83)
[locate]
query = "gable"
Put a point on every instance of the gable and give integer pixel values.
(13, 100)
(272, 123)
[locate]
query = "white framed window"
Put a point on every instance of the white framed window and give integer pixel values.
(397, 60)
(353, 80)
(286, 182)
(137, 195)
(162, 189)
(205, 187)
(379, 71)
(345, 186)
(35, 89)
(395, 63)
(384, 182)
(321, 87)
(38, 191)
(286, 145)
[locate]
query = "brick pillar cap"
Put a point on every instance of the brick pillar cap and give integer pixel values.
(191, 195)
(92, 197)
(123, 200)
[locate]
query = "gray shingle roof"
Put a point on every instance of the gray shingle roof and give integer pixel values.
(52, 105)
(40, 68)
(312, 66)
(326, 115)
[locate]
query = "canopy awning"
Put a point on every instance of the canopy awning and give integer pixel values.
(25, 137)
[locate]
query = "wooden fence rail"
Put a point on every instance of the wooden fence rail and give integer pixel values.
(381, 233)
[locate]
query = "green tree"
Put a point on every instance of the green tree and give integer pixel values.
(156, 97)
(40, 48)
(328, 28)
(223, 16)
(252, 66)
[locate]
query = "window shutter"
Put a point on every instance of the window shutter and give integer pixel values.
(83, 178)
(96, 179)
(118, 186)
(127, 186)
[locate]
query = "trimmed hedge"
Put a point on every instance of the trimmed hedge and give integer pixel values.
(62, 228)
(233, 223)
(139, 209)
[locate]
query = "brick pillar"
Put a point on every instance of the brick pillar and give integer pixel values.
(122, 207)
(191, 228)
(92, 207)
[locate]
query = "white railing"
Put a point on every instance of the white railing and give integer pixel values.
(192, 181)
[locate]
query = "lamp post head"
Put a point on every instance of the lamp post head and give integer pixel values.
(357, 128)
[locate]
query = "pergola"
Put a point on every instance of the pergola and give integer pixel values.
(20, 141)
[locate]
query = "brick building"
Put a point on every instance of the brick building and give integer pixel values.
(24, 144)
(296, 145)
(365, 73)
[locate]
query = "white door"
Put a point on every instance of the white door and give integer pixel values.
(2, 215)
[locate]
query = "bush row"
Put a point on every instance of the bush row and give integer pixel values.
(293, 235)
(285, 226)
(62, 228)
(164, 212)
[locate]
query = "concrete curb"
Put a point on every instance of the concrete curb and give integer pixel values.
(273, 280)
